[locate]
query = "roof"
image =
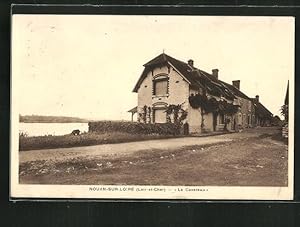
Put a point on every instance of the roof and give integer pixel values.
(194, 76)
(236, 91)
(133, 110)
(261, 110)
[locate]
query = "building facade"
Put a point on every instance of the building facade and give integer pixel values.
(263, 117)
(208, 103)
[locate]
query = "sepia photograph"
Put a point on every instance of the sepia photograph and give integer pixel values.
(152, 107)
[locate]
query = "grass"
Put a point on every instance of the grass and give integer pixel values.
(85, 139)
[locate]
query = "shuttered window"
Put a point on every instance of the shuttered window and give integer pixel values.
(160, 87)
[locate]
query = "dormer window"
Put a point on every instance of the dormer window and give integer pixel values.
(160, 86)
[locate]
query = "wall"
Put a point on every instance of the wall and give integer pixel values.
(194, 120)
(178, 90)
(208, 122)
(219, 126)
(145, 93)
(247, 109)
(194, 116)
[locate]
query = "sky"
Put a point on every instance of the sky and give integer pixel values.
(87, 65)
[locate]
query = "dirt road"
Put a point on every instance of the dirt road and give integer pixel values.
(121, 149)
(252, 157)
(62, 154)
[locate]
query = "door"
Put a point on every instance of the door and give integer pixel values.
(233, 124)
(215, 116)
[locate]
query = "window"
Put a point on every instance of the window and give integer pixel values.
(221, 119)
(160, 116)
(240, 119)
(160, 86)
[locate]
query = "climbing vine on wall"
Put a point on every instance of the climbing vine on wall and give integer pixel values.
(179, 114)
(212, 105)
(144, 114)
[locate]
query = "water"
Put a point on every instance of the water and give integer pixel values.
(54, 129)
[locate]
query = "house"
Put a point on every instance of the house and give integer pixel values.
(276, 121)
(263, 117)
(207, 103)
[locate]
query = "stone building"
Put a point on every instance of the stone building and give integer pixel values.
(263, 117)
(210, 104)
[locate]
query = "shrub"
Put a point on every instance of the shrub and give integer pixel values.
(23, 134)
(84, 139)
(134, 127)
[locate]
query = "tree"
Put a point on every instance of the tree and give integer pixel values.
(284, 110)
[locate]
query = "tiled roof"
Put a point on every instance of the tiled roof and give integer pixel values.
(196, 77)
(261, 110)
(236, 91)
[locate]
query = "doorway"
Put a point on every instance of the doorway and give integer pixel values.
(215, 116)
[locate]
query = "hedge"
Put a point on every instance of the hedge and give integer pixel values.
(134, 127)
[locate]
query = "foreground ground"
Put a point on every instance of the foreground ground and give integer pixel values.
(254, 157)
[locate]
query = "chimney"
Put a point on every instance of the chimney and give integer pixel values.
(257, 98)
(236, 83)
(191, 63)
(215, 72)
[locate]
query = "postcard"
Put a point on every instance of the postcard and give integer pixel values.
(152, 107)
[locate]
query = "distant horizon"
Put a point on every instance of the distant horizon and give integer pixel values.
(100, 119)
(79, 117)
